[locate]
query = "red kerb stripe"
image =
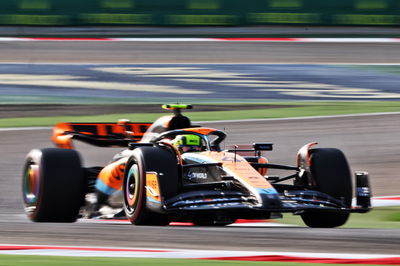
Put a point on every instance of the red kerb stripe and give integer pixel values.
(383, 261)
(258, 39)
(388, 198)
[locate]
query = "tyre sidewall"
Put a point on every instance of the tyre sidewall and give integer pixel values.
(34, 157)
(134, 212)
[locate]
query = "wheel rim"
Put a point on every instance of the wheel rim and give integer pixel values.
(31, 186)
(132, 188)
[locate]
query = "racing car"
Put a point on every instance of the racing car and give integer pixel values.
(159, 182)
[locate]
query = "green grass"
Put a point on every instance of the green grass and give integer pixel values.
(382, 217)
(393, 217)
(23, 260)
(298, 109)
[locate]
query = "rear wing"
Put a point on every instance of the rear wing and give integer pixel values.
(98, 134)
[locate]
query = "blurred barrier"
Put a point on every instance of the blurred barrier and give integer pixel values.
(200, 12)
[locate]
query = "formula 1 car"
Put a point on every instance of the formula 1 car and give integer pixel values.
(210, 186)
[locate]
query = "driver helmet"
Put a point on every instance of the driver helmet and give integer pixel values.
(187, 143)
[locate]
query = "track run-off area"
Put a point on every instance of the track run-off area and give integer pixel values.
(140, 83)
(43, 71)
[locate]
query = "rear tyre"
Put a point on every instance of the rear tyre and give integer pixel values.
(148, 159)
(331, 175)
(53, 185)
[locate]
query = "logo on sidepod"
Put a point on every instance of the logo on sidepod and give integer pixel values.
(192, 175)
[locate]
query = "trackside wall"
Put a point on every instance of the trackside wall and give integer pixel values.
(200, 12)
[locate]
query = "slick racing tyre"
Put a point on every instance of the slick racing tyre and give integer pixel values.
(331, 175)
(148, 159)
(53, 185)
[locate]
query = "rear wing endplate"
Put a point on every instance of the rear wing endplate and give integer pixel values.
(98, 134)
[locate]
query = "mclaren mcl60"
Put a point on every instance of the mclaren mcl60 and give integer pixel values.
(159, 183)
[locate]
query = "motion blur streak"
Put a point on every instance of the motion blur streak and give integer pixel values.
(198, 52)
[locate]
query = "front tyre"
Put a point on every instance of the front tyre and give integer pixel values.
(148, 159)
(331, 175)
(134, 191)
(53, 185)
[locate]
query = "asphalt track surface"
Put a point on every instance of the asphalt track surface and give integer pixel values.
(370, 143)
(356, 136)
(197, 52)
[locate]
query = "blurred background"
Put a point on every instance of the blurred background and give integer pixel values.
(200, 12)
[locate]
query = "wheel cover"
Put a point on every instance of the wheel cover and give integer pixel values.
(132, 188)
(31, 187)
